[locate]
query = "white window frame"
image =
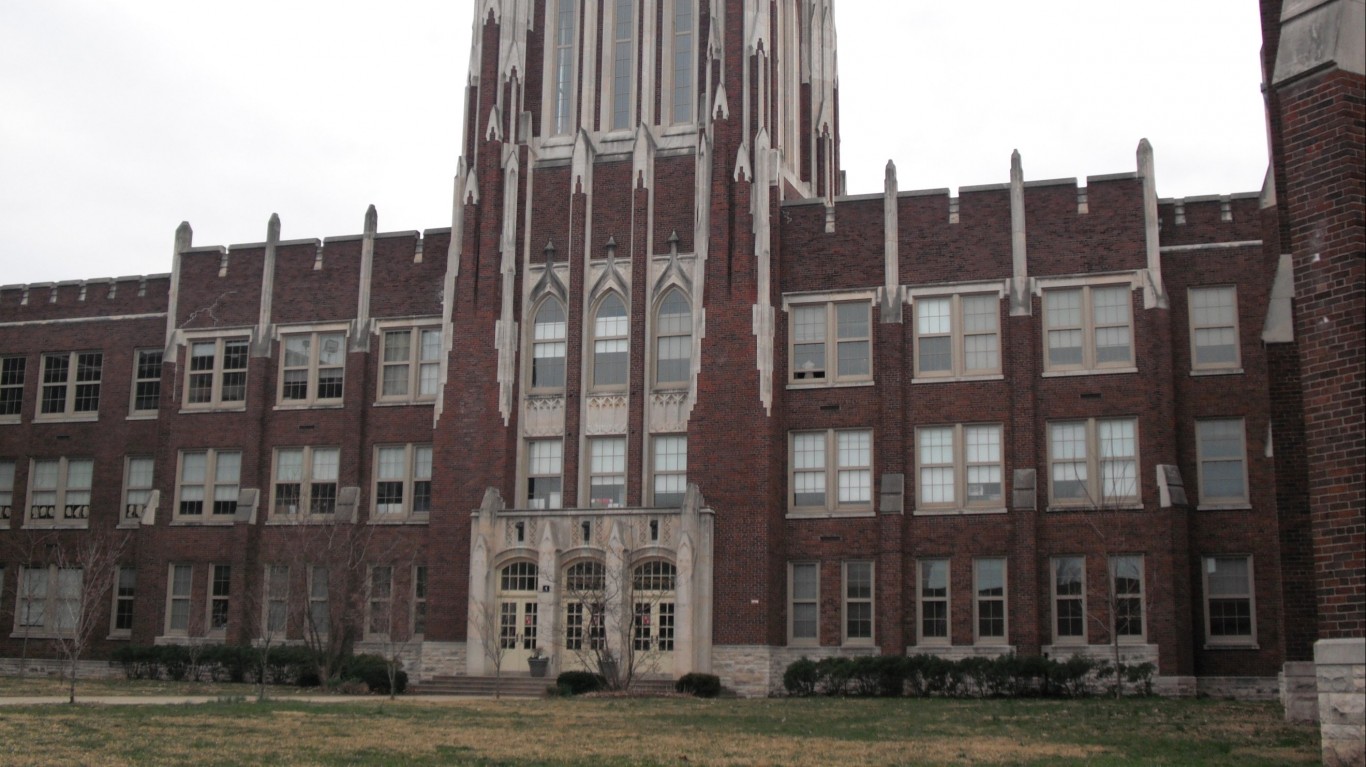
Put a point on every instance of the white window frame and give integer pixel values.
(922, 573)
(8, 469)
(794, 599)
(13, 377)
(1088, 329)
(556, 339)
(54, 604)
(847, 600)
(560, 54)
(1057, 598)
(415, 474)
(607, 460)
(210, 486)
(830, 340)
(174, 597)
(668, 95)
(121, 597)
(1205, 455)
(218, 373)
(421, 587)
(379, 604)
(417, 367)
(213, 599)
(137, 489)
(70, 386)
(667, 467)
(1230, 324)
(960, 468)
(979, 599)
(597, 337)
(1238, 641)
(612, 46)
(313, 369)
(1138, 598)
(833, 469)
(308, 481)
(319, 600)
(535, 471)
(957, 336)
(660, 336)
(64, 512)
(140, 380)
(1093, 496)
(273, 598)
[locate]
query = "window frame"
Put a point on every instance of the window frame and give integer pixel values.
(1230, 641)
(957, 335)
(70, 387)
(1056, 598)
(313, 370)
(528, 496)
(383, 601)
(594, 338)
(270, 598)
(121, 599)
(561, 341)
(921, 637)
(13, 380)
(411, 480)
(217, 372)
(417, 624)
(593, 472)
(960, 468)
(657, 473)
(560, 116)
(658, 336)
(173, 597)
(61, 489)
(832, 470)
(1201, 459)
(846, 601)
(830, 341)
(413, 365)
(813, 601)
(9, 473)
(1093, 496)
(152, 382)
(612, 76)
(1122, 597)
(307, 482)
(212, 457)
(1088, 328)
(318, 574)
(669, 97)
(978, 600)
(1198, 368)
(53, 602)
(127, 515)
(213, 598)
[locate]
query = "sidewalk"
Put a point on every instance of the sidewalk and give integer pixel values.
(184, 700)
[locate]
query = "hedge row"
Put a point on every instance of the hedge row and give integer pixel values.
(928, 675)
(290, 665)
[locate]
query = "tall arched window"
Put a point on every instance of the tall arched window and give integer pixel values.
(562, 72)
(623, 60)
(653, 587)
(611, 347)
(673, 339)
(684, 65)
(585, 627)
(548, 346)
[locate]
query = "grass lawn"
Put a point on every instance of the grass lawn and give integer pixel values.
(48, 686)
(673, 731)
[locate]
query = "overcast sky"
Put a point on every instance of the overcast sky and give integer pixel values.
(121, 118)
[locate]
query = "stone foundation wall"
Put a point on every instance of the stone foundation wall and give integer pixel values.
(1341, 671)
(441, 659)
(1299, 692)
(1239, 687)
(51, 667)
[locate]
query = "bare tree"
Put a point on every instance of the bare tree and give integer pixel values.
(490, 634)
(400, 614)
(618, 619)
(86, 572)
(331, 608)
(25, 546)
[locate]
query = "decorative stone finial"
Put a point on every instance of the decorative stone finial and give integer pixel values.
(371, 220)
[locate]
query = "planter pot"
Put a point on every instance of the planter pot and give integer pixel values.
(538, 666)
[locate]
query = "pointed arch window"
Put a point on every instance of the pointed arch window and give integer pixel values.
(548, 346)
(673, 340)
(611, 347)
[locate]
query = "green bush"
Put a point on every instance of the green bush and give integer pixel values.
(373, 670)
(801, 677)
(699, 685)
(176, 660)
(1007, 675)
(580, 682)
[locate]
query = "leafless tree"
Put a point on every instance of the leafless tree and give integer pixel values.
(86, 572)
(489, 632)
(335, 556)
(611, 616)
(399, 614)
(26, 546)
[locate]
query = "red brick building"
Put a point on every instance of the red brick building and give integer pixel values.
(659, 356)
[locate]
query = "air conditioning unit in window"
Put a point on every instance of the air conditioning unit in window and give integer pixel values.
(977, 491)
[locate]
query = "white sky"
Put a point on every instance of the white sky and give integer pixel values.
(121, 118)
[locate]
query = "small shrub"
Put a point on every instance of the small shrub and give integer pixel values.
(580, 682)
(373, 670)
(833, 675)
(176, 660)
(699, 685)
(801, 677)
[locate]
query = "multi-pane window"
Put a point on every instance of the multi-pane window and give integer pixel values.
(548, 346)
(831, 343)
(71, 384)
(1223, 464)
(1069, 599)
(125, 585)
(1214, 328)
(804, 603)
(313, 369)
(607, 472)
(673, 340)
(544, 470)
(611, 347)
(220, 594)
(1093, 462)
(858, 603)
(1228, 601)
(49, 600)
(306, 480)
(419, 625)
(842, 459)
(934, 601)
(623, 59)
(59, 491)
(6, 491)
(960, 467)
(403, 481)
(138, 481)
(1088, 328)
(669, 469)
(319, 611)
(957, 336)
(217, 373)
(178, 587)
(12, 371)
(1127, 572)
(564, 21)
(208, 477)
(989, 599)
(411, 366)
(379, 599)
(146, 381)
(277, 600)
(683, 63)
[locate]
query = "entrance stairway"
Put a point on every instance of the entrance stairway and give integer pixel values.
(516, 686)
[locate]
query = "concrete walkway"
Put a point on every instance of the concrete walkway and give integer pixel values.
(182, 700)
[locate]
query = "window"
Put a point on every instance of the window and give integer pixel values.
(607, 472)
(815, 360)
(623, 60)
(1088, 328)
(6, 492)
(545, 459)
(959, 467)
(306, 480)
(125, 584)
(670, 470)
(1127, 572)
(178, 600)
(1094, 462)
(1214, 329)
(858, 603)
(1228, 601)
(1223, 466)
(548, 347)
(989, 600)
(59, 491)
(673, 340)
(49, 602)
(319, 620)
(804, 603)
(411, 367)
(851, 471)
(403, 481)
(12, 387)
(71, 384)
(1069, 600)
(146, 381)
(934, 601)
(208, 476)
(277, 600)
(378, 600)
(419, 600)
(138, 481)
(562, 67)
(611, 347)
(957, 336)
(683, 64)
(217, 373)
(313, 368)
(220, 593)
